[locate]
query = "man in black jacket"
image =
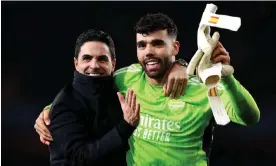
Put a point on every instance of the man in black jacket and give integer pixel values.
(89, 124)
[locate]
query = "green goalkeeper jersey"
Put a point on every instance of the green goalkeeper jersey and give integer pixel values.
(170, 131)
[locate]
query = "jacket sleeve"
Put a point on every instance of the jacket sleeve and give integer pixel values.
(240, 105)
(72, 139)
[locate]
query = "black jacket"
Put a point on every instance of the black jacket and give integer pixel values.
(87, 124)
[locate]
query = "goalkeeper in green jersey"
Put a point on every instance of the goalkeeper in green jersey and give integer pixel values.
(170, 131)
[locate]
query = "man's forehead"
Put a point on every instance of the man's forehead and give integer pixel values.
(95, 48)
(98, 45)
(160, 34)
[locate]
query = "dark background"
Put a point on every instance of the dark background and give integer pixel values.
(37, 60)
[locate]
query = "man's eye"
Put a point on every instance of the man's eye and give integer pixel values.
(102, 59)
(141, 45)
(158, 43)
(86, 58)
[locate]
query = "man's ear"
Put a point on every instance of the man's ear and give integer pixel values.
(75, 62)
(113, 64)
(176, 46)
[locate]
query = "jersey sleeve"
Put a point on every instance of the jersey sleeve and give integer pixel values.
(239, 104)
(126, 76)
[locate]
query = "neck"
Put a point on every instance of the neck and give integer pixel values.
(156, 81)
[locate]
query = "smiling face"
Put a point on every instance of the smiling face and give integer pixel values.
(94, 59)
(156, 52)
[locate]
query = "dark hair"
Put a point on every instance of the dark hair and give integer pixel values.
(95, 35)
(155, 22)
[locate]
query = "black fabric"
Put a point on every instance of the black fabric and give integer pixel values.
(208, 139)
(87, 124)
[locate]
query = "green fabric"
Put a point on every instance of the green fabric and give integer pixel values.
(48, 107)
(240, 105)
(170, 131)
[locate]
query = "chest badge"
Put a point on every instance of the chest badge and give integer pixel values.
(176, 106)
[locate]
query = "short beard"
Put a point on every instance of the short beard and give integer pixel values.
(166, 64)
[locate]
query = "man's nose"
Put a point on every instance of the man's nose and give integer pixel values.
(149, 50)
(94, 63)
